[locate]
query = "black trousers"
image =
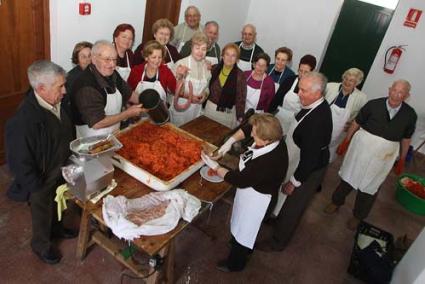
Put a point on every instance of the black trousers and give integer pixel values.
(293, 209)
(238, 256)
(44, 218)
(363, 203)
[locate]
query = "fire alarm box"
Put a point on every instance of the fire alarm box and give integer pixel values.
(85, 9)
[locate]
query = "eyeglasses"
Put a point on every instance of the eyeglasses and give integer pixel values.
(108, 59)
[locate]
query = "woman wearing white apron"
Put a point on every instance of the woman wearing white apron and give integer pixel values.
(261, 171)
(153, 74)
(377, 132)
(260, 86)
(226, 102)
(280, 71)
(248, 46)
(184, 31)
(100, 94)
(213, 49)
(286, 101)
(123, 40)
(163, 31)
(187, 105)
(345, 101)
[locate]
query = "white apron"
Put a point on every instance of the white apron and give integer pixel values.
(368, 161)
(290, 106)
(144, 85)
(249, 206)
(112, 107)
(293, 159)
(340, 117)
(227, 118)
(194, 110)
(213, 59)
(124, 71)
(277, 84)
(253, 96)
(170, 66)
(246, 65)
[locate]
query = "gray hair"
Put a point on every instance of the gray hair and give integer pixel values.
(44, 72)
(404, 82)
(186, 12)
(99, 45)
(250, 26)
(319, 81)
(355, 72)
(214, 23)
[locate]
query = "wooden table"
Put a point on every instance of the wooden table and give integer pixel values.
(162, 245)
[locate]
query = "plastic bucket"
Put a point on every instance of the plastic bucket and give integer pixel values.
(409, 200)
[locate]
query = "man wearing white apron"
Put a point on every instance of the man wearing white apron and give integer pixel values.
(184, 31)
(261, 171)
(213, 49)
(248, 46)
(99, 95)
(376, 134)
(307, 142)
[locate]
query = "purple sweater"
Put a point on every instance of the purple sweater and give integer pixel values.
(267, 91)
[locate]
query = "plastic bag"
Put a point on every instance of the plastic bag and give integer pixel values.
(181, 205)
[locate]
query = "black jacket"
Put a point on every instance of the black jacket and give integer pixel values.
(33, 150)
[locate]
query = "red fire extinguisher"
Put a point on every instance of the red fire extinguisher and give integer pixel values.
(392, 60)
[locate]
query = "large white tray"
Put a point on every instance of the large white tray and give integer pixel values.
(151, 180)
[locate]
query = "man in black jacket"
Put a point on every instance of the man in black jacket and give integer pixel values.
(37, 145)
(307, 140)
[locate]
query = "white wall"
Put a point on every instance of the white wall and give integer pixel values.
(409, 66)
(302, 25)
(67, 27)
(230, 14)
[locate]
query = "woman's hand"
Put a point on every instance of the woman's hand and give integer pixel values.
(181, 71)
(209, 162)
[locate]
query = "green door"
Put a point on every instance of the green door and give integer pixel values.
(356, 39)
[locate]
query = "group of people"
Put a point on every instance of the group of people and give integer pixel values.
(301, 124)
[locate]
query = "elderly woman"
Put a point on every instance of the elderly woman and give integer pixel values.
(261, 171)
(286, 101)
(260, 86)
(153, 74)
(226, 102)
(279, 71)
(185, 31)
(163, 32)
(123, 37)
(81, 57)
(345, 101)
(193, 70)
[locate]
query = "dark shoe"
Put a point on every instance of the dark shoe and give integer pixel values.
(65, 233)
(50, 256)
(267, 246)
(319, 188)
(222, 266)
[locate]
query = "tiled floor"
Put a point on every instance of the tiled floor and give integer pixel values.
(319, 252)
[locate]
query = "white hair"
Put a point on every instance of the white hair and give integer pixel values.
(99, 45)
(404, 82)
(44, 72)
(319, 81)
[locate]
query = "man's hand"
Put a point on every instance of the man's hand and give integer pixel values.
(342, 148)
(399, 166)
(134, 110)
(288, 188)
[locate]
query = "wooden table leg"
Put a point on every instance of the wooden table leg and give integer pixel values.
(167, 270)
(169, 263)
(83, 236)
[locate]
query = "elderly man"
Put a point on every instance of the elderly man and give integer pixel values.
(37, 146)
(376, 134)
(184, 31)
(307, 141)
(99, 94)
(248, 46)
(213, 49)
